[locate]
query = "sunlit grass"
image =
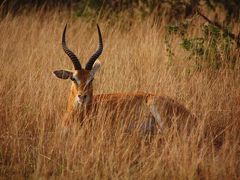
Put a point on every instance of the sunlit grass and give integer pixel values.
(33, 101)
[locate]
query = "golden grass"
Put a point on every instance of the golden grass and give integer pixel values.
(32, 103)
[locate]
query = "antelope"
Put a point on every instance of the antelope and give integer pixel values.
(82, 103)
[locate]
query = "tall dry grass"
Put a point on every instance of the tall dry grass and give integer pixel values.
(32, 103)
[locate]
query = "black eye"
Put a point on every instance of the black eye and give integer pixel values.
(73, 79)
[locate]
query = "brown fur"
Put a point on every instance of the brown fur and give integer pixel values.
(170, 110)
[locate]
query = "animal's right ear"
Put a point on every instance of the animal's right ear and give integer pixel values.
(96, 67)
(63, 74)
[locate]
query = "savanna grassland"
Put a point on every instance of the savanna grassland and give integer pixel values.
(135, 58)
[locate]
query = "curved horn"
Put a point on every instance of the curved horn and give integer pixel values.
(97, 53)
(70, 54)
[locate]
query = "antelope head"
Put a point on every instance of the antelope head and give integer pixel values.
(81, 89)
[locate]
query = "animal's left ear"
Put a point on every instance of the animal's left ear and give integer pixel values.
(63, 74)
(96, 67)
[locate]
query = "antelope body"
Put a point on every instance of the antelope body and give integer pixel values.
(166, 110)
(82, 103)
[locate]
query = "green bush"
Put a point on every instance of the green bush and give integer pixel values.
(213, 49)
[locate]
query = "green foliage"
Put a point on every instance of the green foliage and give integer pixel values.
(194, 45)
(171, 31)
(212, 50)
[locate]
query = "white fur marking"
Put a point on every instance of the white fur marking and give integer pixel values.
(156, 115)
(96, 67)
(77, 80)
(77, 102)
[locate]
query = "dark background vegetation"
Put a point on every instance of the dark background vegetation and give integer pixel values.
(176, 8)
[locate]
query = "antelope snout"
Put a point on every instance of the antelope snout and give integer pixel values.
(82, 98)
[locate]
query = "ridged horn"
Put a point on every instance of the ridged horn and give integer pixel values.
(94, 57)
(71, 55)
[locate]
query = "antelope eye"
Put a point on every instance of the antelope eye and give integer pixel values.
(73, 79)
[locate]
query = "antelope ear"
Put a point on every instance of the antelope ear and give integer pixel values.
(63, 74)
(96, 67)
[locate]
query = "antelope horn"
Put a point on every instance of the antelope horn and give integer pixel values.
(94, 57)
(71, 55)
